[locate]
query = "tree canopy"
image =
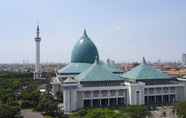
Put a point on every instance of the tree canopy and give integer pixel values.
(10, 86)
(7, 111)
(121, 112)
(181, 109)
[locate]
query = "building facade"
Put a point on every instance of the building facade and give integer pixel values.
(88, 82)
(184, 59)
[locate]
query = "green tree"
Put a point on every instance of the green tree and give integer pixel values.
(98, 113)
(102, 113)
(59, 96)
(47, 105)
(7, 111)
(181, 109)
(30, 98)
(136, 111)
(79, 114)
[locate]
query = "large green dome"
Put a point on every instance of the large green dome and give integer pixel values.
(84, 51)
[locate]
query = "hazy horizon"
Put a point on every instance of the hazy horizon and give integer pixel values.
(122, 30)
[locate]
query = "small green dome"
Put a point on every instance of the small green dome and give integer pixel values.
(84, 51)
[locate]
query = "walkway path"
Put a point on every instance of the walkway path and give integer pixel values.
(28, 113)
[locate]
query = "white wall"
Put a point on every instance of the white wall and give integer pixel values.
(133, 88)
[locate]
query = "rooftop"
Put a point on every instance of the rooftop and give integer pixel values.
(98, 72)
(145, 71)
(74, 68)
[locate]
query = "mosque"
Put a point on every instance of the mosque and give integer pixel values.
(89, 82)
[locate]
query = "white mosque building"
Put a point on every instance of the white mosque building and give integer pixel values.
(88, 82)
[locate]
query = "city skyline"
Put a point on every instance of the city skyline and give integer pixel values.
(123, 30)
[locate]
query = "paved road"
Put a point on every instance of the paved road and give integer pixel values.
(30, 114)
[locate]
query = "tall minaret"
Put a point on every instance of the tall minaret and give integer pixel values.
(37, 73)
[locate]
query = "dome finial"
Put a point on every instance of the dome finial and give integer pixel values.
(85, 33)
(144, 61)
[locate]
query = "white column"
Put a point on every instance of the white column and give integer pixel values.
(126, 97)
(91, 102)
(100, 103)
(70, 98)
(117, 101)
(66, 99)
(162, 99)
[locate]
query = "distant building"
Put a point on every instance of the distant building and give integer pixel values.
(89, 82)
(184, 59)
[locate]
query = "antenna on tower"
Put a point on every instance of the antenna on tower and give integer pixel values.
(37, 31)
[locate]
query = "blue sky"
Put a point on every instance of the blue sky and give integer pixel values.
(123, 30)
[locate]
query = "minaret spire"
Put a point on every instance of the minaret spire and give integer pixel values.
(37, 73)
(38, 38)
